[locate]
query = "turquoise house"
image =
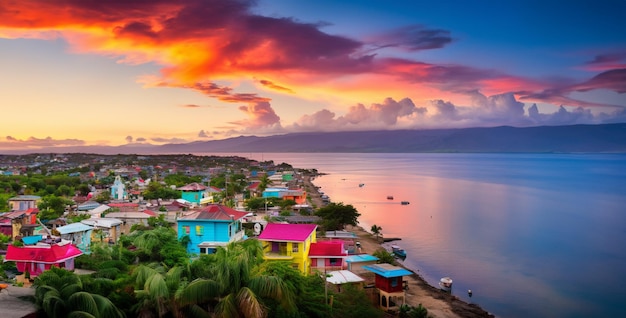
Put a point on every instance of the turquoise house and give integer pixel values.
(193, 192)
(212, 226)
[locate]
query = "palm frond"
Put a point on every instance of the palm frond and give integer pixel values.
(83, 301)
(227, 307)
(80, 314)
(197, 292)
(249, 305)
(106, 308)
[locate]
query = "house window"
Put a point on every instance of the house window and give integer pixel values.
(202, 250)
(394, 282)
(199, 230)
(334, 262)
(186, 229)
(294, 247)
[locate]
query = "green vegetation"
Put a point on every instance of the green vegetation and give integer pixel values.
(377, 231)
(335, 216)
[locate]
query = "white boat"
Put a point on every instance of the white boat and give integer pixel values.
(445, 284)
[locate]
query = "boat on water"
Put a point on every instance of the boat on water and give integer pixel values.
(398, 251)
(361, 185)
(445, 284)
(404, 202)
(390, 197)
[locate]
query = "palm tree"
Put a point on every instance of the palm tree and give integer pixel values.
(377, 231)
(59, 294)
(236, 287)
(157, 289)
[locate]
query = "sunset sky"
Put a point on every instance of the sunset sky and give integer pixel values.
(79, 72)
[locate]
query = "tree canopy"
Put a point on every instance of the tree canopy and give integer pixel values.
(335, 216)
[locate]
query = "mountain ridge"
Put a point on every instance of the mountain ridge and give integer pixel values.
(539, 139)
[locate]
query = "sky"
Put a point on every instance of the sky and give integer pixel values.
(116, 72)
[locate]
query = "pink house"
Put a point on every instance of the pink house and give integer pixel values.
(327, 256)
(35, 259)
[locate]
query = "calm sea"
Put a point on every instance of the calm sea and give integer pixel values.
(532, 235)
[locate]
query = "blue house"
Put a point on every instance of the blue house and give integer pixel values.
(212, 226)
(193, 192)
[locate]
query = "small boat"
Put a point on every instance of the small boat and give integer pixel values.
(398, 251)
(390, 197)
(404, 202)
(445, 284)
(361, 185)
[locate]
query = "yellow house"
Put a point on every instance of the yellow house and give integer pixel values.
(289, 242)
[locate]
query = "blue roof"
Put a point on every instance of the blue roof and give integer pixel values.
(74, 228)
(361, 258)
(387, 270)
(30, 240)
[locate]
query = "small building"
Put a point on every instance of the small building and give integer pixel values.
(327, 256)
(35, 259)
(297, 195)
(212, 226)
(193, 192)
(118, 189)
(389, 284)
(78, 234)
(355, 263)
(105, 229)
(343, 277)
(131, 218)
(289, 242)
(23, 202)
(19, 223)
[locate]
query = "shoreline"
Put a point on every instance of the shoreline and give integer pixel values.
(438, 303)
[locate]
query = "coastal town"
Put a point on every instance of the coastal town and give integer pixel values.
(124, 224)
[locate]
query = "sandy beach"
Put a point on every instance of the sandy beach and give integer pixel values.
(439, 304)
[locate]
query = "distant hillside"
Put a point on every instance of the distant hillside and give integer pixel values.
(574, 138)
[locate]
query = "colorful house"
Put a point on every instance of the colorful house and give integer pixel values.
(19, 223)
(77, 233)
(327, 256)
(193, 192)
(297, 195)
(289, 242)
(23, 202)
(389, 284)
(35, 259)
(212, 226)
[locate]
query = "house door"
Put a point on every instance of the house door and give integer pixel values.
(320, 263)
(275, 247)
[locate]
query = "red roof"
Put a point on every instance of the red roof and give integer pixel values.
(214, 212)
(254, 185)
(287, 232)
(46, 255)
(327, 248)
(193, 187)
